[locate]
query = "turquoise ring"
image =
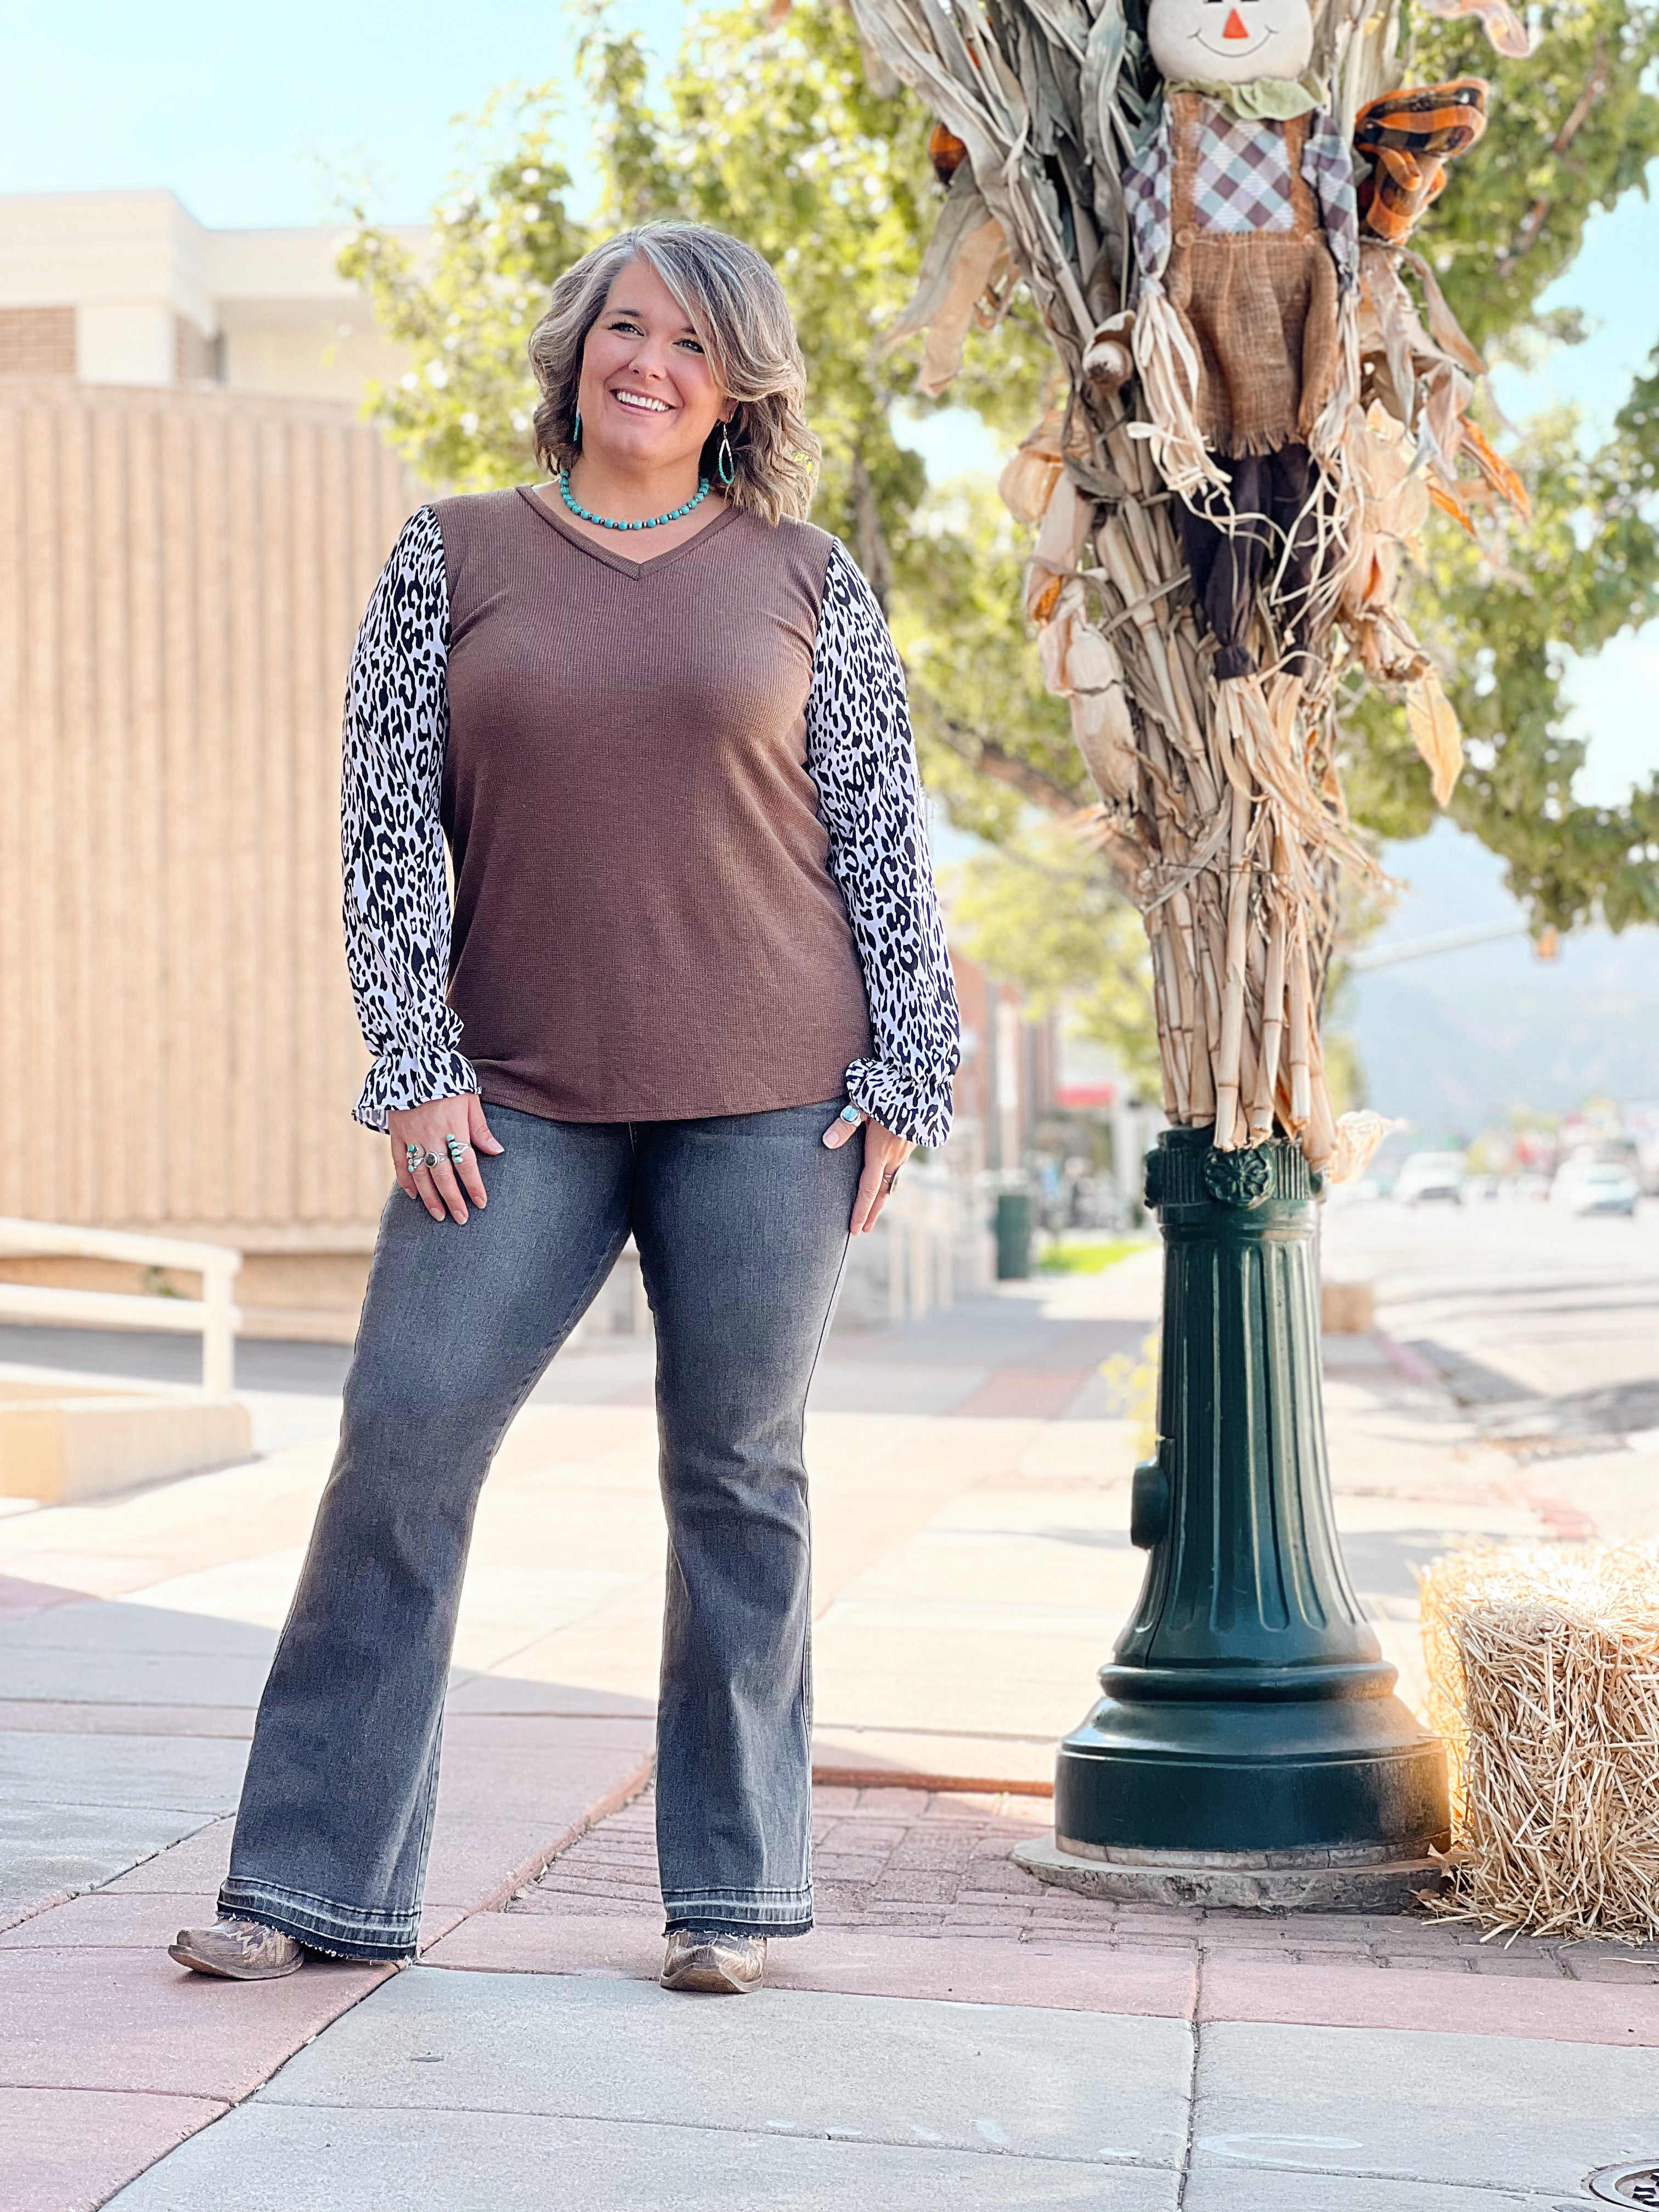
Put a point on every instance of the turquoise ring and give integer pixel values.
(413, 1158)
(853, 1114)
(456, 1150)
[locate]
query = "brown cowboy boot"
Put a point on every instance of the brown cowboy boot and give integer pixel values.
(711, 1963)
(240, 1950)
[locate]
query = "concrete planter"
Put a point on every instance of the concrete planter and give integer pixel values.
(59, 1445)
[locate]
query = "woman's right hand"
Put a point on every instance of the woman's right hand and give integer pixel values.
(430, 1127)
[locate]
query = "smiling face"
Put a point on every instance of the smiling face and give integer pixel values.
(1232, 41)
(648, 393)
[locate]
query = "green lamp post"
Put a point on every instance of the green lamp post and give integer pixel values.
(1248, 1749)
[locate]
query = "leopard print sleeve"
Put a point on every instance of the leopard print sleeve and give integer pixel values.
(391, 844)
(860, 754)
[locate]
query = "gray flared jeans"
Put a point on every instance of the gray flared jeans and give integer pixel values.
(742, 1224)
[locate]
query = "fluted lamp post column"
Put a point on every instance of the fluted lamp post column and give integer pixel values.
(1248, 1749)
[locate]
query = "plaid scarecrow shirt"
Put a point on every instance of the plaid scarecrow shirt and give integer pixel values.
(1242, 182)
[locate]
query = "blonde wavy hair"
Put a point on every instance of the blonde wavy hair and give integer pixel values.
(735, 302)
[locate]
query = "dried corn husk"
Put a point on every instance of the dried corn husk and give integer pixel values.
(1396, 496)
(1065, 528)
(1502, 26)
(1544, 1679)
(1060, 542)
(1221, 815)
(1425, 378)
(1082, 666)
(1496, 471)
(1434, 726)
(963, 258)
(1358, 1136)
(1028, 482)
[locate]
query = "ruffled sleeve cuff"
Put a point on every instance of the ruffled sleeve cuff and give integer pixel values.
(403, 1077)
(913, 1105)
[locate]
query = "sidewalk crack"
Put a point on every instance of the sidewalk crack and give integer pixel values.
(793, 2134)
(1185, 2174)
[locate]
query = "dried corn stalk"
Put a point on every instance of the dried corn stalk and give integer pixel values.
(1220, 810)
(1543, 1680)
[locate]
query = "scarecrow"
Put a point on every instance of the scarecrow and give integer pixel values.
(1246, 237)
(1210, 203)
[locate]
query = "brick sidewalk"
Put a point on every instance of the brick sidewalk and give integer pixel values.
(917, 1897)
(938, 1865)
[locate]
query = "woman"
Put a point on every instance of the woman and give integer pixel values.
(698, 964)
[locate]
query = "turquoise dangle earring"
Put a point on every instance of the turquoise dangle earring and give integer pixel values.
(576, 430)
(723, 459)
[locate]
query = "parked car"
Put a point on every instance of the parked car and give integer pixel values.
(1595, 1187)
(1431, 1178)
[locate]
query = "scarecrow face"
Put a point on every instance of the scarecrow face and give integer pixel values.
(1231, 42)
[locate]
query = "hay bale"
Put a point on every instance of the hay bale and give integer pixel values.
(1544, 1679)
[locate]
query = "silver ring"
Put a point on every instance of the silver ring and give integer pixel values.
(853, 1114)
(411, 1158)
(458, 1152)
(433, 1160)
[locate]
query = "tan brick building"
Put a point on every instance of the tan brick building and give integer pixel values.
(191, 517)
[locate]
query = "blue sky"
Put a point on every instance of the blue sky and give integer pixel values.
(254, 118)
(245, 112)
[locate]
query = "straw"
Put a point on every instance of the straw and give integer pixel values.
(1544, 1679)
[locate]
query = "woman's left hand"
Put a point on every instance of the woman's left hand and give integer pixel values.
(885, 1154)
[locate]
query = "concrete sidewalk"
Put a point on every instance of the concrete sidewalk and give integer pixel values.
(952, 2034)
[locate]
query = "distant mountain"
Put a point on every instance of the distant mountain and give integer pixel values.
(1452, 1041)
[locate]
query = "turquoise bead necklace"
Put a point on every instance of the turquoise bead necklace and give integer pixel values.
(608, 522)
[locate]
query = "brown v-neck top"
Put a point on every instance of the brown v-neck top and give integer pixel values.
(645, 925)
(689, 839)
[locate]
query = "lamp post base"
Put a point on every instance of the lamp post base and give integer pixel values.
(1235, 1882)
(1248, 1749)
(1263, 1770)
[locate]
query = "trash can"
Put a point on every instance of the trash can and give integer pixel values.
(1013, 1228)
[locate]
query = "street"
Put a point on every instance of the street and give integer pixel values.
(1543, 1326)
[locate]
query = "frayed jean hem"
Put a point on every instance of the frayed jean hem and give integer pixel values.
(774, 1913)
(338, 1932)
(720, 1925)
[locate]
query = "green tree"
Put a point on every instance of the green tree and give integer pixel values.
(1040, 912)
(992, 742)
(1573, 128)
(775, 133)
(1501, 621)
(460, 414)
(777, 139)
